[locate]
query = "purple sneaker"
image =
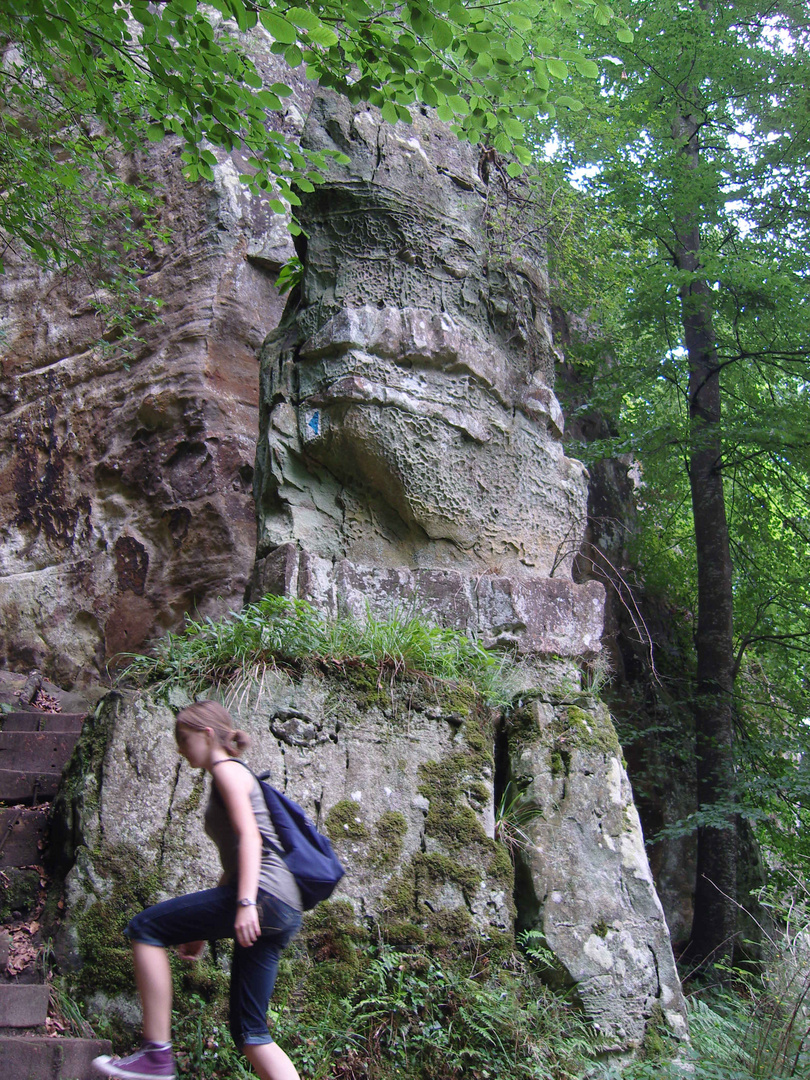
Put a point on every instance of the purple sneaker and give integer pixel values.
(149, 1063)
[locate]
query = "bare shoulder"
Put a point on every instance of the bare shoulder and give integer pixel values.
(231, 775)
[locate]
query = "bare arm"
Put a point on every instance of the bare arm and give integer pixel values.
(234, 784)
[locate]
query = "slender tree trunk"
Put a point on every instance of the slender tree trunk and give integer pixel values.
(715, 913)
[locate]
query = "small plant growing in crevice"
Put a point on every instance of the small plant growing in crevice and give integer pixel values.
(513, 817)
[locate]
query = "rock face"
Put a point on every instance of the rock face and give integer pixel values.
(409, 453)
(410, 443)
(401, 781)
(404, 782)
(585, 887)
(125, 480)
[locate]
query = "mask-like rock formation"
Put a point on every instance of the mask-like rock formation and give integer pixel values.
(410, 446)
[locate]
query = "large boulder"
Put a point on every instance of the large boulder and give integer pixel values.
(401, 778)
(585, 890)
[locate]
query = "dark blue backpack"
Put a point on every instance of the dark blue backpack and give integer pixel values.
(307, 853)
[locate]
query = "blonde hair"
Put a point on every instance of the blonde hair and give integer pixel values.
(210, 714)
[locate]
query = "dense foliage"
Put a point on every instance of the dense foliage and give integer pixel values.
(85, 79)
(697, 155)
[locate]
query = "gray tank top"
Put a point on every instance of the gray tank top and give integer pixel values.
(274, 877)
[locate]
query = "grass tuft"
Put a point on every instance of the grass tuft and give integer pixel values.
(281, 631)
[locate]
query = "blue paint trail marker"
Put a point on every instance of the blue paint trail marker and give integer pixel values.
(314, 423)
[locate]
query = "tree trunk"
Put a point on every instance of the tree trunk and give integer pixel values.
(715, 913)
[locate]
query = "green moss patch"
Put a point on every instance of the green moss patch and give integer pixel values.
(133, 883)
(344, 822)
(389, 833)
(586, 730)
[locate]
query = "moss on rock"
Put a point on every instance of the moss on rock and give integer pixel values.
(389, 833)
(587, 730)
(344, 822)
(132, 884)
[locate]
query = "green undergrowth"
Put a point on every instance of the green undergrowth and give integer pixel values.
(288, 632)
(744, 1034)
(432, 1016)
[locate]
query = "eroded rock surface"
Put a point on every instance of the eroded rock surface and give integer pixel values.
(401, 781)
(408, 415)
(126, 480)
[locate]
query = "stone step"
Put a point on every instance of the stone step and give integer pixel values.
(21, 830)
(24, 786)
(23, 1006)
(36, 751)
(34, 1057)
(30, 721)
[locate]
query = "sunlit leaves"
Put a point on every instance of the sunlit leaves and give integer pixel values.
(740, 77)
(145, 70)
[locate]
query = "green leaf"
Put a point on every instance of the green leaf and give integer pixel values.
(442, 34)
(324, 35)
(588, 69)
(514, 47)
(624, 33)
(569, 103)
(279, 28)
(269, 101)
(155, 132)
(557, 68)
(303, 17)
(389, 112)
(477, 43)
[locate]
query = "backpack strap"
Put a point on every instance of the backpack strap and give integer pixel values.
(273, 847)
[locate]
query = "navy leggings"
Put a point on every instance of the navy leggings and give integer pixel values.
(208, 916)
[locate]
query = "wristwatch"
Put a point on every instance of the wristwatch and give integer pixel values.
(246, 903)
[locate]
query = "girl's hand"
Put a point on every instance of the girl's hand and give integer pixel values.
(246, 926)
(191, 950)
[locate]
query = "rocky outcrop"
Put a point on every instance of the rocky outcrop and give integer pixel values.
(410, 446)
(410, 454)
(585, 890)
(126, 477)
(401, 780)
(404, 782)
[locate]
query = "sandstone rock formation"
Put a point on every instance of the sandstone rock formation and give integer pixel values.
(410, 453)
(126, 480)
(404, 783)
(585, 886)
(410, 446)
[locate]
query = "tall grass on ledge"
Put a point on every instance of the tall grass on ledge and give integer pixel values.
(278, 630)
